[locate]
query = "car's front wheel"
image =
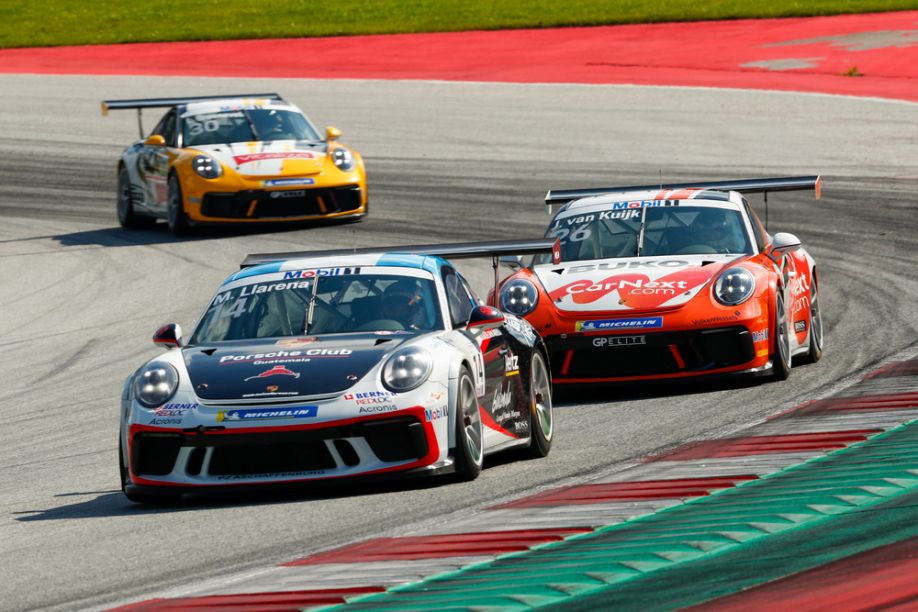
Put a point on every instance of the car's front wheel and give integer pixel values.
(814, 354)
(127, 216)
(541, 421)
(176, 216)
(469, 433)
(781, 359)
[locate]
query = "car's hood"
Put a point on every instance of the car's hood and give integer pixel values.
(628, 284)
(275, 158)
(286, 367)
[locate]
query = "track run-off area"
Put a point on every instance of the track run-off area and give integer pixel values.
(447, 161)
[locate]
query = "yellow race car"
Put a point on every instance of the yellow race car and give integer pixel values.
(248, 158)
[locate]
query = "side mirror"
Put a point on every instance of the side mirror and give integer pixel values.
(332, 133)
(485, 315)
(169, 336)
(514, 262)
(784, 243)
(155, 140)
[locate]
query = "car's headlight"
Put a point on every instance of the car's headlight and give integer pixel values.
(734, 286)
(407, 369)
(155, 384)
(343, 159)
(206, 166)
(519, 297)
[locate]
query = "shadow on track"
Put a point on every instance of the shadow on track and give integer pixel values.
(113, 503)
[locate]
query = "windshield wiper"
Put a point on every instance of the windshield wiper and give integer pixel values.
(251, 123)
(310, 310)
(640, 244)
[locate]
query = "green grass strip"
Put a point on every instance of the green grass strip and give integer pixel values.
(801, 517)
(25, 23)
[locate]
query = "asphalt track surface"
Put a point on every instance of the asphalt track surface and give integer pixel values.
(80, 297)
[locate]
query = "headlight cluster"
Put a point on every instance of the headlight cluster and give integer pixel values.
(155, 384)
(519, 297)
(343, 159)
(206, 166)
(407, 369)
(734, 286)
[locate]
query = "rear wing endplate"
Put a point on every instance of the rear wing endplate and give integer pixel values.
(142, 103)
(791, 183)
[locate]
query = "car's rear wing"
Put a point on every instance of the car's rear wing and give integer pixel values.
(456, 250)
(791, 183)
(142, 103)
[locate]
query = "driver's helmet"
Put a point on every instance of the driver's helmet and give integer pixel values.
(710, 227)
(402, 302)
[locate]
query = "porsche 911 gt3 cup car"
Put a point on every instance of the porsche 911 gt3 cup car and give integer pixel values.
(667, 282)
(317, 366)
(249, 158)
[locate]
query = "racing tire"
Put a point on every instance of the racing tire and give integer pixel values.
(128, 218)
(814, 353)
(541, 420)
(175, 214)
(781, 359)
(141, 498)
(469, 430)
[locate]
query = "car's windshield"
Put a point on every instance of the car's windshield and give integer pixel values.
(668, 230)
(342, 303)
(246, 125)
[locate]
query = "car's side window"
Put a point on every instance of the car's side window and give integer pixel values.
(169, 129)
(458, 298)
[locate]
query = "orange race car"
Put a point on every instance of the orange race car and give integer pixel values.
(671, 281)
(247, 158)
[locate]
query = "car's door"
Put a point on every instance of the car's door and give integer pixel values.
(153, 163)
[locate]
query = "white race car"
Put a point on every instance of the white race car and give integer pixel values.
(317, 366)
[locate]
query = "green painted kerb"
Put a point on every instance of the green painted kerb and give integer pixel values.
(797, 518)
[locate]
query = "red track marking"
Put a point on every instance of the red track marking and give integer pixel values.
(899, 368)
(800, 54)
(627, 491)
(882, 578)
(285, 600)
(892, 401)
(762, 445)
(440, 546)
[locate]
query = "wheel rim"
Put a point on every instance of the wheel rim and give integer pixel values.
(815, 321)
(471, 419)
(124, 197)
(541, 394)
(783, 339)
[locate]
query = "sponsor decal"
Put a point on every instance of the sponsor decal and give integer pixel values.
(799, 288)
(799, 326)
(319, 272)
(271, 388)
(760, 336)
(271, 475)
(292, 182)
(605, 341)
(294, 342)
(249, 158)
(637, 289)
(165, 421)
(298, 193)
(174, 409)
(522, 327)
(277, 370)
(433, 414)
(372, 409)
(625, 265)
(368, 397)
(501, 400)
(284, 356)
(270, 393)
(736, 315)
(489, 333)
(254, 414)
(511, 364)
(434, 396)
(603, 324)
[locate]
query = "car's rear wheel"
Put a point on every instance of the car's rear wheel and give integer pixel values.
(814, 354)
(469, 433)
(541, 421)
(127, 216)
(781, 359)
(176, 216)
